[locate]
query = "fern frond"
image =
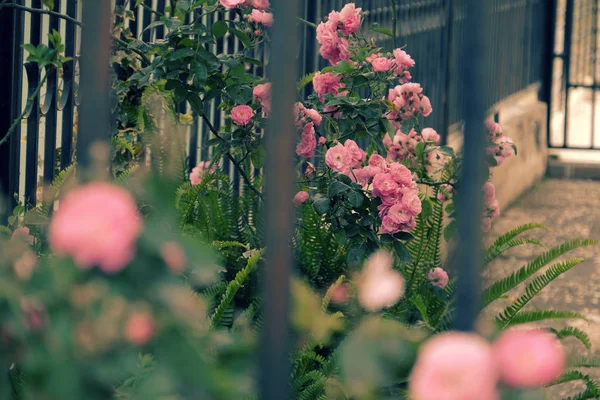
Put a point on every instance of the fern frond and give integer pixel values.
(570, 376)
(513, 233)
(220, 245)
(583, 362)
(54, 190)
(493, 252)
(234, 286)
(305, 80)
(499, 288)
(525, 317)
(122, 178)
(574, 332)
(533, 288)
(327, 298)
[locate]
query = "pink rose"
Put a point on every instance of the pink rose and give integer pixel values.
(313, 115)
(430, 135)
(200, 170)
(308, 144)
(338, 158)
(403, 60)
(322, 140)
(262, 92)
(529, 358)
(242, 115)
(389, 226)
(425, 108)
(372, 57)
(105, 237)
(349, 17)
(401, 174)
(357, 154)
(438, 277)
(262, 17)
(379, 285)
(300, 198)
(384, 185)
(486, 224)
(231, 3)
(377, 161)
(454, 366)
(139, 328)
(260, 4)
(174, 256)
(489, 193)
(327, 83)
(333, 48)
(382, 64)
(412, 202)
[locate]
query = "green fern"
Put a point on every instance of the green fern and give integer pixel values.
(525, 317)
(501, 287)
(513, 233)
(54, 190)
(233, 287)
(533, 288)
(570, 376)
(305, 80)
(583, 362)
(494, 252)
(574, 332)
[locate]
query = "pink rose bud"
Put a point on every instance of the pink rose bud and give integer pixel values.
(300, 198)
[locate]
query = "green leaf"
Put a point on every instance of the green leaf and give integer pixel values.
(245, 39)
(355, 199)
(389, 128)
(219, 29)
(258, 157)
(321, 203)
(427, 209)
(356, 255)
(402, 252)
(48, 3)
(525, 317)
(375, 28)
(336, 188)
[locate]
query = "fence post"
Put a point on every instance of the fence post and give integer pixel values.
(94, 112)
(11, 30)
(470, 197)
(283, 67)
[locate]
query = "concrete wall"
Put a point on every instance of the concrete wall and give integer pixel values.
(523, 118)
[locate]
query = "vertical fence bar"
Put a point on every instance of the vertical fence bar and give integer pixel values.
(94, 116)
(11, 80)
(567, 66)
(447, 54)
(283, 66)
(470, 200)
(67, 103)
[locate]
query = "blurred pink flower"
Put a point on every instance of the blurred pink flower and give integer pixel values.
(174, 256)
(242, 115)
(300, 198)
(200, 170)
(97, 224)
(322, 140)
(139, 328)
(34, 314)
(262, 92)
(22, 234)
(454, 366)
(24, 265)
(260, 4)
(231, 3)
(379, 285)
(262, 17)
(529, 358)
(438, 277)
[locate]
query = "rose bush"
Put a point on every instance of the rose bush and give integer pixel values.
(175, 305)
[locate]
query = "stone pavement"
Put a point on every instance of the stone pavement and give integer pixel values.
(571, 209)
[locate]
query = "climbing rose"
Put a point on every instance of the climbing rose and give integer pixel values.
(300, 198)
(200, 170)
(260, 4)
(430, 135)
(357, 154)
(454, 366)
(262, 92)
(382, 64)
(349, 19)
(242, 115)
(306, 148)
(379, 285)
(333, 47)
(261, 17)
(231, 3)
(322, 140)
(139, 328)
(438, 277)
(529, 358)
(96, 224)
(327, 83)
(174, 256)
(338, 158)
(444, 192)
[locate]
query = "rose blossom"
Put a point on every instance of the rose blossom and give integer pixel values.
(333, 48)
(231, 3)
(242, 115)
(438, 277)
(529, 358)
(454, 366)
(430, 135)
(338, 158)
(96, 224)
(174, 256)
(382, 64)
(310, 169)
(260, 4)
(379, 285)
(262, 92)
(300, 198)
(200, 170)
(349, 19)
(327, 83)
(357, 154)
(261, 17)
(306, 148)
(322, 140)
(384, 185)
(139, 328)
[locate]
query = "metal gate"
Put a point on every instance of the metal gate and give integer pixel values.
(574, 110)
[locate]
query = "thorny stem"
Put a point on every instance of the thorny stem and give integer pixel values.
(17, 121)
(232, 159)
(42, 11)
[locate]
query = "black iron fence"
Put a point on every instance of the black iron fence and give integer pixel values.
(516, 38)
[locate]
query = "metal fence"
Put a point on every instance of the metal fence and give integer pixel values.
(432, 31)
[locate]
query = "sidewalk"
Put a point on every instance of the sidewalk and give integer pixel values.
(571, 209)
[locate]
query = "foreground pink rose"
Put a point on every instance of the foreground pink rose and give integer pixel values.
(454, 366)
(231, 3)
(261, 17)
(140, 328)
(200, 170)
(529, 358)
(242, 115)
(174, 256)
(379, 285)
(97, 224)
(300, 198)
